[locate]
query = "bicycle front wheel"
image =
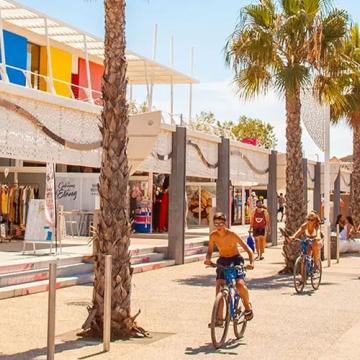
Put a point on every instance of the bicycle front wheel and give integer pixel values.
(239, 321)
(316, 275)
(299, 274)
(220, 319)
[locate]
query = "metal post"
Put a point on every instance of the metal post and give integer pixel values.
(337, 243)
(223, 179)
(131, 92)
(317, 187)
(88, 73)
(327, 190)
(272, 197)
(243, 202)
(107, 303)
(60, 226)
(49, 62)
(337, 197)
(3, 54)
(305, 175)
(51, 312)
(177, 191)
(199, 189)
(190, 87)
(351, 195)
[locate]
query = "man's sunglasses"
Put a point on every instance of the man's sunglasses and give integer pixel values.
(219, 223)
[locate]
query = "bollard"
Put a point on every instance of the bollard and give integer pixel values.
(51, 312)
(107, 303)
(337, 243)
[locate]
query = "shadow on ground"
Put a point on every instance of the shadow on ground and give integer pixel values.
(59, 348)
(209, 349)
(266, 283)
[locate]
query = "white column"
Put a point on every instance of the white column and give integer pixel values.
(88, 74)
(190, 86)
(327, 190)
(152, 72)
(49, 62)
(3, 55)
(172, 84)
(243, 202)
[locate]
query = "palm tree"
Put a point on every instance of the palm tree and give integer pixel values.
(112, 236)
(349, 109)
(284, 45)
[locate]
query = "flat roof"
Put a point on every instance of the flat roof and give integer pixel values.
(141, 70)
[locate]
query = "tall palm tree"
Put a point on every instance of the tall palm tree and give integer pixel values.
(349, 109)
(112, 236)
(283, 45)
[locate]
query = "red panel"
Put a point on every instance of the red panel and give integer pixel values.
(96, 73)
(75, 81)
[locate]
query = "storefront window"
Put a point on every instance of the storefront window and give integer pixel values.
(201, 199)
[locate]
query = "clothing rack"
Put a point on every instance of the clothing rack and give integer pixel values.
(9, 185)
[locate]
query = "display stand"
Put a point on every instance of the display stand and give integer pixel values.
(37, 229)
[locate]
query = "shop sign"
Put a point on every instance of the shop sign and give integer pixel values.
(77, 191)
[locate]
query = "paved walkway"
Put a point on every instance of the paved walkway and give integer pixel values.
(176, 303)
(11, 252)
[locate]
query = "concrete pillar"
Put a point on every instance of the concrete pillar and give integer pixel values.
(176, 197)
(223, 179)
(336, 198)
(317, 187)
(304, 164)
(272, 201)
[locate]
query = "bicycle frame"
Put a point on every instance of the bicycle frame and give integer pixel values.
(231, 273)
(307, 259)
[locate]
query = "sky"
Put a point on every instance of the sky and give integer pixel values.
(204, 25)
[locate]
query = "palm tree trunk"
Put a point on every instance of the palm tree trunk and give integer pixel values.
(355, 198)
(113, 230)
(295, 204)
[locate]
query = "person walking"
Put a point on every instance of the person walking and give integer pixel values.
(260, 226)
(281, 208)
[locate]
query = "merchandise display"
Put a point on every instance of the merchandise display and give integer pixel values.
(14, 207)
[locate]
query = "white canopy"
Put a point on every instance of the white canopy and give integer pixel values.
(140, 69)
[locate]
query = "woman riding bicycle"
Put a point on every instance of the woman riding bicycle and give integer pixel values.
(227, 243)
(311, 231)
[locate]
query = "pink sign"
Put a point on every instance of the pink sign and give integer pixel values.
(50, 195)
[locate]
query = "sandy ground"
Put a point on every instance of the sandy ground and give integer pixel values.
(176, 304)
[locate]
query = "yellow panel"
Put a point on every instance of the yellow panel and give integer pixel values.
(61, 62)
(43, 68)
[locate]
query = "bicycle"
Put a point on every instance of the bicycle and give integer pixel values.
(227, 307)
(305, 266)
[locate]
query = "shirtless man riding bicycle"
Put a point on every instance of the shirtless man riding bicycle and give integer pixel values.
(227, 243)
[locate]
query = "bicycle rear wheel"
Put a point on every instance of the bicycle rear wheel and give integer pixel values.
(299, 274)
(239, 321)
(316, 275)
(220, 313)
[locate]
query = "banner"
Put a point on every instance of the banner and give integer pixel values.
(50, 211)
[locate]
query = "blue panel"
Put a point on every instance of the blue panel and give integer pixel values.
(16, 55)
